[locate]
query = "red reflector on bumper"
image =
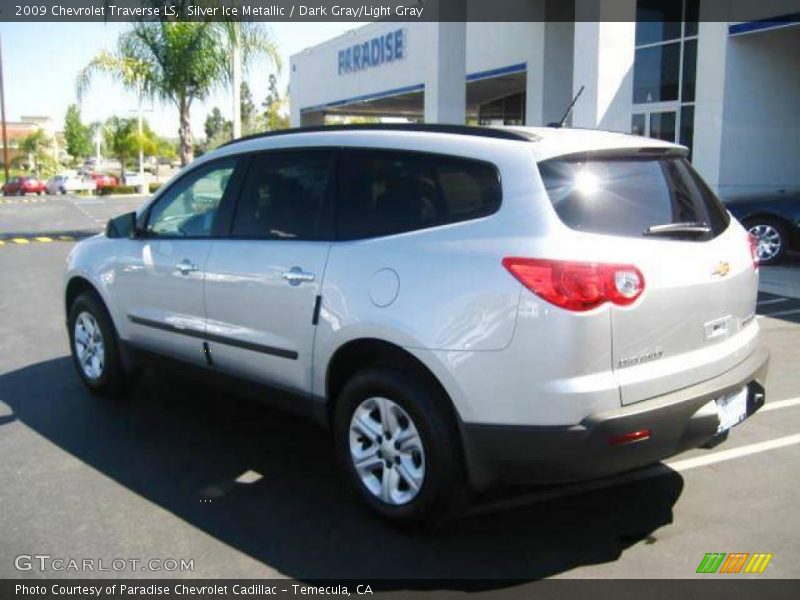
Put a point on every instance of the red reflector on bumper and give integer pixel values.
(629, 438)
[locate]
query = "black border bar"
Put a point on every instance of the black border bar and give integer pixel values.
(365, 11)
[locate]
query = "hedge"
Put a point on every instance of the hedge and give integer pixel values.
(119, 189)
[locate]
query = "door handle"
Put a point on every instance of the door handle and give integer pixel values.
(296, 276)
(186, 266)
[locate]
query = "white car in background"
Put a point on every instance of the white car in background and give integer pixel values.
(64, 183)
(133, 178)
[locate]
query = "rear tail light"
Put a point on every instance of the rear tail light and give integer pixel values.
(577, 286)
(753, 249)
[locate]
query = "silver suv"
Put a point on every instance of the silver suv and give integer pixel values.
(461, 306)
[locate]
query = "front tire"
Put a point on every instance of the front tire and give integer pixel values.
(95, 346)
(771, 238)
(398, 447)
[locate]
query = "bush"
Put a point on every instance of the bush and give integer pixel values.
(153, 187)
(119, 189)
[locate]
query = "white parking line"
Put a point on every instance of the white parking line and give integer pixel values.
(780, 404)
(782, 313)
(716, 457)
(773, 301)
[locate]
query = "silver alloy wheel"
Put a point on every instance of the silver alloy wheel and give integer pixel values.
(387, 451)
(768, 239)
(89, 345)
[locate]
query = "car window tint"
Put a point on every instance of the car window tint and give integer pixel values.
(385, 192)
(619, 196)
(189, 207)
(284, 196)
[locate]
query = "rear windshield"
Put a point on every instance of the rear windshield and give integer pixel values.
(628, 196)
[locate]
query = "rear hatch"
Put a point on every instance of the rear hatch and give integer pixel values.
(695, 318)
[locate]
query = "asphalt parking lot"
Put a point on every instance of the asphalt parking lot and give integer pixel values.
(181, 471)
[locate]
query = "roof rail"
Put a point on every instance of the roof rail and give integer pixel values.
(489, 132)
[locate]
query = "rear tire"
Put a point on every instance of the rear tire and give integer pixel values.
(772, 239)
(415, 479)
(95, 347)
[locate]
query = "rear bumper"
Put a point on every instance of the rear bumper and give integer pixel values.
(677, 421)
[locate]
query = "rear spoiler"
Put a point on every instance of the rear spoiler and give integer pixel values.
(643, 153)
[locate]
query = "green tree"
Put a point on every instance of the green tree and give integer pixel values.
(218, 131)
(248, 111)
(214, 124)
(122, 140)
(177, 62)
(76, 134)
(38, 147)
(274, 118)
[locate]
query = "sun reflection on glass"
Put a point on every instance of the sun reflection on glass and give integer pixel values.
(587, 183)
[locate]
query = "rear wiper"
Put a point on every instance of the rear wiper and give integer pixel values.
(684, 227)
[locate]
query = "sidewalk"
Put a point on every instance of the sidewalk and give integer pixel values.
(783, 280)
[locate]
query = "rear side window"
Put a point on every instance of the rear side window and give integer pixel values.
(384, 192)
(285, 196)
(628, 196)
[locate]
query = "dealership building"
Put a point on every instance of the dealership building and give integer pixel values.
(729, 90)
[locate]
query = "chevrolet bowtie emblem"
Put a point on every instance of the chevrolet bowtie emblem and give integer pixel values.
(722, 269)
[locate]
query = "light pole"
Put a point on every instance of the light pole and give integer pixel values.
(98, 139)
(3, 116)
(142, 185)
(236, 68)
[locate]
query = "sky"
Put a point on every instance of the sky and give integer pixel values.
(41, 61)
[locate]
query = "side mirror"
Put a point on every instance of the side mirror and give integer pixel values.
(123, 226)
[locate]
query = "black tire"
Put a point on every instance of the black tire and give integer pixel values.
(113, 380)
(443, 488)
(779, 228)
(20, 192)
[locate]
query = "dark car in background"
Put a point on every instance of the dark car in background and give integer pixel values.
(774, 220)
(19, 186)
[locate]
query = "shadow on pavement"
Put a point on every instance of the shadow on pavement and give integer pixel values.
(181, 445)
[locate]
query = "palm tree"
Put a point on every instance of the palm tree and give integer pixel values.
(247, 41)
(177, 62)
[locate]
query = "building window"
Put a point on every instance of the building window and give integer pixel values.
(509, 110)
(665, 70)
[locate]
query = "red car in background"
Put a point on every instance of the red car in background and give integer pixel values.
(19, 186)
(104, 180)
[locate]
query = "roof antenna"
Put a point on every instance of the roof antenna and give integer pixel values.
(569, 110)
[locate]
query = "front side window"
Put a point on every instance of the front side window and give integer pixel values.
(285, 196)
(385, 192)
(189, 207)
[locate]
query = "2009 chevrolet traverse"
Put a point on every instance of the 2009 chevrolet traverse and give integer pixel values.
(462, 306)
